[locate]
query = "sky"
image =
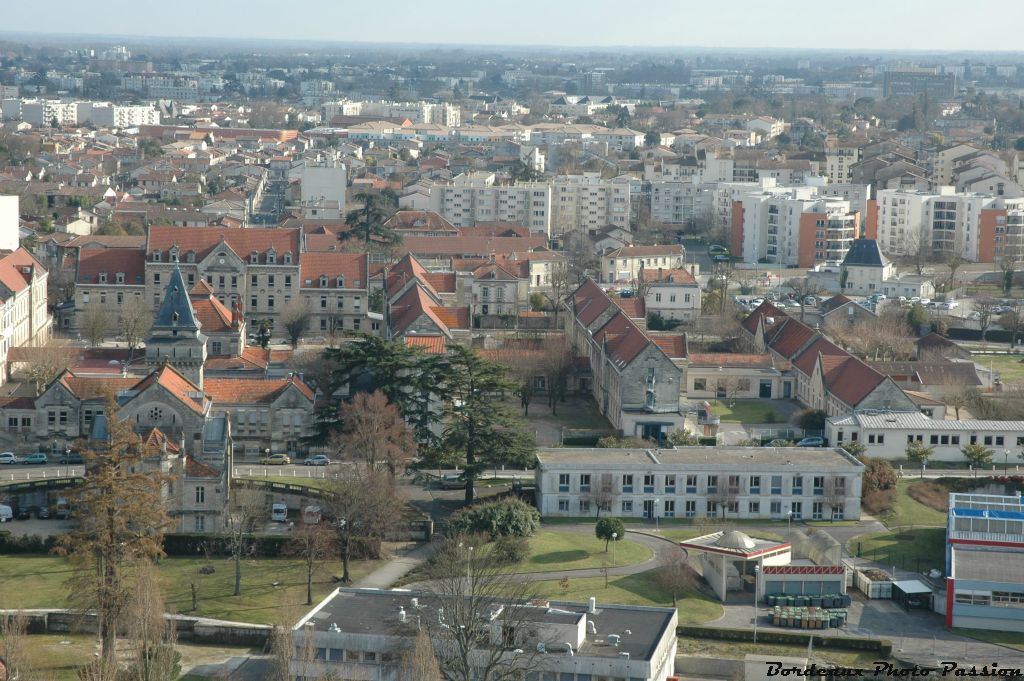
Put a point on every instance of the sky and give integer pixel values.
(933, 25)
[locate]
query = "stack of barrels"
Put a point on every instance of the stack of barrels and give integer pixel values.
(808, 617)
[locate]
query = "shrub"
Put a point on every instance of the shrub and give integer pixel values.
(683, 438)
(878, 473)
(607, 527)
(878, 501)
(811, 419)
(617, 442)
(507, 517)
(30, 543)
(510, 550)
(770, 416)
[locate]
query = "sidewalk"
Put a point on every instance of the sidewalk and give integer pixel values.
(399, 566)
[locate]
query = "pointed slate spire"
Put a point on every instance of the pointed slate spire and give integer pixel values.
(176, 310)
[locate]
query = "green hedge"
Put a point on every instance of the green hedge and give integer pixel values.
(29, 543)
(882, 647)
(261, 547)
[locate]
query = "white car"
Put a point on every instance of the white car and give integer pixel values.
(925, 301)
(8, 457)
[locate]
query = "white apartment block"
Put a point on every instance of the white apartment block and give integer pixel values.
(588, 202)
(700, 482)
(441, 113)
(680, 202)
(941, 222)
(323, 186)
(840, 156)
(43, 112)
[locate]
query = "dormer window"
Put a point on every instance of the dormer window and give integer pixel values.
(287, 258)
(156, 256)
(120, 277)
(341, 282)
(190, 256)
(174, 254)
(254, 257)
(323, 281)
(103, 277)
(271, 257)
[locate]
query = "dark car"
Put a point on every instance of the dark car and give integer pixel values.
(43, 513)
(22, 513)
(71, 459)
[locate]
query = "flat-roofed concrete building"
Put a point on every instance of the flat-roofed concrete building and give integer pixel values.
(365, 633)
(700, 482)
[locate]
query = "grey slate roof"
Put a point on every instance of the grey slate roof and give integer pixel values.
(176, 310)
(865, 253)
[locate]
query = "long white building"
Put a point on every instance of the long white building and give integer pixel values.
(700, 482)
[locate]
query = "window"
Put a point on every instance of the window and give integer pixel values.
(254, 280)
(798, 485)
(711, 509)
(776, 508)
(627, 484)
(155, 414)
(200, 495)
(691, 509)
(156, 278)
(270, 280)
(585, 482)
(563, 504)
(776, 484)
(270, 302)
(732, 507)
(323, 302)
(627, 506)
(563, 482)
(670, 509)
(670, 484)
(648, 484)
(817, 510)
(252, 303)
(988, 439)
(700, 384)
(934, 440)
(691, 484)
(754, 507)
(712, 484)
(954, 440)
(120, 297)
(999, 440)
(200, 523)
(734, 484)
(216, 347)
(797, 510)
(818, 484)
(755, 484)
(234, 282)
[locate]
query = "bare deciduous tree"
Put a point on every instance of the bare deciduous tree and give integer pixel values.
(13, 646)
(241, 519)
(803, 287)
(96, 323)
(295, 317)
(558, 361)
(675, 575)
(985, 308)
(420, 662)
(601, 495)
(136, 322)
(362, 506)
(313, 544)
(374, 434)
(150, 634)
(45, 362)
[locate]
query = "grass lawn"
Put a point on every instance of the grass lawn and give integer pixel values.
(903, 548)
(38, 582)
(694, 608)
(551, 550)
(58, 655)
(908, 511)
(706, 647)
(1009, 367)
(1010, 639)
(746, 411)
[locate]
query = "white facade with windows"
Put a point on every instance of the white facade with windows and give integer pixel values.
(700, 482)
(886, 434)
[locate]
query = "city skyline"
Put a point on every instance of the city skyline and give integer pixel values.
(793, 24)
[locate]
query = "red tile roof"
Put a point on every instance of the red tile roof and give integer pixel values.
(252, 390)
(788, 336)
(669, 276)
(675, 346)
(14, 269)
(469, 246)
(806, 360)
(432, 345)
(634, 307)
(351, 266)
(441, 282)
(765, 309)
(624, 340)
(243, 242)
(453, 317)
(130, 261)
(590, 302)
(157, 440)
(168, 378)
(197, 469)
(420, 220)
(412, 305)
(404, 270)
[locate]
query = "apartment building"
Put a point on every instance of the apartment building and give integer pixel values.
(912, 81)
(323, 187)
(841, 155)
(672, 293)
(472, 198)
(367, 633)
(792, 226)
(698, 482)
(886, 434)
(984, 559)
(941, 222)
(588, 202)
(336, 287)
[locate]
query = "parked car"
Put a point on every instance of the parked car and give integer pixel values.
(43, 513)
(318, 460)
(722, 257)
(61, 510)
(71, 458)
(792, 303)
(278, 513)
(717, 249)
(925, 301)
(811, 442)
(779, 443)
(22, 513)
(38, 458)
(276, 460)
(6, 513)
(457, 481)
(8, 457)
(810, 300)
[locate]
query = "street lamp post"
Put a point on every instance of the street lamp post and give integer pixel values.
(1006, 460)
(757, 570)
(615, 538)
(789, 518)
(657, 521)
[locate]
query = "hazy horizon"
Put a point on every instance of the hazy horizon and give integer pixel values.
(793, 25)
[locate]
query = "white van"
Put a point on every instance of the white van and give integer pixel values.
(6, 513)
(279, 513)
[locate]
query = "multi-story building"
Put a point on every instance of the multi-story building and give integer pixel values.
(627, 263)
(323, 186)
(840, 156)
(110, 278)
(792, 226)
(589, 202)
(940, 222)
(685, 482)
(336, 286)
(366, 634)
(672, 293)
(984, 561)
(914, 81)
(633, 378)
